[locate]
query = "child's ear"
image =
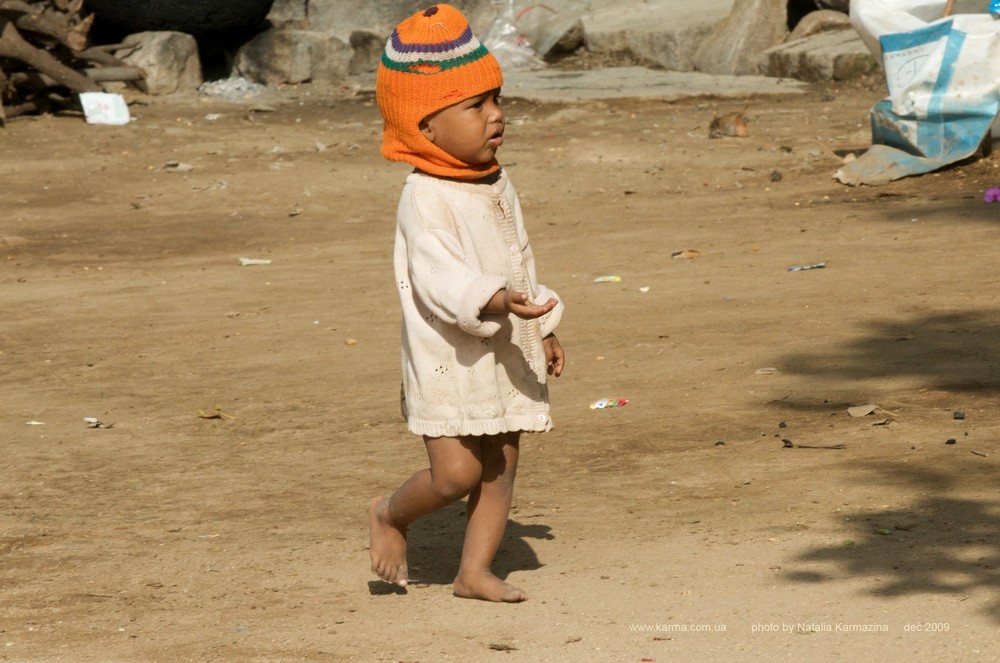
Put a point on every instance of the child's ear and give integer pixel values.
(425, 129)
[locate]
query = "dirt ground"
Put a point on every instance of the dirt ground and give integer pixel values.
(248, 413)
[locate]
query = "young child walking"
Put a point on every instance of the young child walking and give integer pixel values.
(477, 336)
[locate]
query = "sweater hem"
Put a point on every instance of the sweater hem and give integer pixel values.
(531, 423)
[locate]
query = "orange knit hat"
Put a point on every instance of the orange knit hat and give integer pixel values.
(431, 61)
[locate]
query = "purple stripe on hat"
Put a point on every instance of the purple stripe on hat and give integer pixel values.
(442, 47)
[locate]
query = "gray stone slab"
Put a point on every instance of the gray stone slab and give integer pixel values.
(170, 60)
(752, 27)
(832, 55)
(342, 17)
(666, 33)
(554, 85)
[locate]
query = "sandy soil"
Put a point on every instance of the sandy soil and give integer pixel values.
(250, 412)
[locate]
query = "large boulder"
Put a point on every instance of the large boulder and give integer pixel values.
(831, 55)
(282, 55)
(289, 13)
(752, 27)
(665, 34)
(342, 17)
(170, 60)
(822, 20)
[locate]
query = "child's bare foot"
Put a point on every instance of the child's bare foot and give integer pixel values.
(387, 544)
(486, 586)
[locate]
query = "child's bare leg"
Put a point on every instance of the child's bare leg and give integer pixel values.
(489, 507)
(455, 469)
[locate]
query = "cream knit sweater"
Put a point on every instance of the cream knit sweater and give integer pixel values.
(457, 244)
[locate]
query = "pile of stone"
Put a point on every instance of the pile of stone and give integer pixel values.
(807, 40)
(338, 42)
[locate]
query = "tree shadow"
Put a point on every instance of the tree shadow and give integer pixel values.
(941, 544)
(950, 206)
(434, 547)
(949, 351)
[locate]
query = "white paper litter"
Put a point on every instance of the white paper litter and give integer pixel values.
(104, 108)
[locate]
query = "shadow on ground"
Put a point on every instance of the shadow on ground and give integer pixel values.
(942, 543)
(434, 547)
(949, 351)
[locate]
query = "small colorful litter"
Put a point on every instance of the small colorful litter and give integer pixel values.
(608, 279)
(605, 403)
(992, 195)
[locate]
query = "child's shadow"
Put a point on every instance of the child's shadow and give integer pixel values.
(434, 547)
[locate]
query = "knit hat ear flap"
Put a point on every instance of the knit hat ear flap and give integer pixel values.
(431, 61)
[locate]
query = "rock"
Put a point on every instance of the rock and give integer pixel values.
(342, 17)
(367, 49)
(551, 30)
(820, 21)
(665, 34)
(554, 85)
(752, 27)
(835, 55)
(289, 14)
(570, 41)
(170, 60)
(713, 36)
(281, 55)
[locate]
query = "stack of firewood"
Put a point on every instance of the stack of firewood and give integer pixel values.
(46, 58)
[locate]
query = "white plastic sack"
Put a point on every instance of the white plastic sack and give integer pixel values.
(523, 33)
(507, 44)
(943, 78)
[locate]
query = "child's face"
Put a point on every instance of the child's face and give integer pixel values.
(471, 130)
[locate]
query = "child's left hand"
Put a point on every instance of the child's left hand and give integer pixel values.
(554, 355)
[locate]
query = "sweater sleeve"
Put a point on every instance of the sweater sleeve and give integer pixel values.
(446, 280)
(550, 320)
(540, 293)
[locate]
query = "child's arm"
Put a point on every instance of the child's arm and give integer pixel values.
(510, 301)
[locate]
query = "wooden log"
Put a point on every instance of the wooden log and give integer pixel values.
(17, 6)
(111, 48)
(40, 105)
(57, 25)
(20, 7)
(34, 80)
(31, 80)
(99, 55)
(121, 74)
(126, 73)
(13, 45)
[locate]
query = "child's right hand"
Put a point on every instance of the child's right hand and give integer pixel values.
(518, 303)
